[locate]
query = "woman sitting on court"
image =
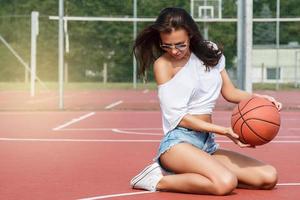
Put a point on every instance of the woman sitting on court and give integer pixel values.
(190, 74)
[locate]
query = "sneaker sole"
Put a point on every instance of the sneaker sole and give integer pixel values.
(141, 175)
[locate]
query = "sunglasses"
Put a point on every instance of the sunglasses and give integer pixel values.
(168, 47)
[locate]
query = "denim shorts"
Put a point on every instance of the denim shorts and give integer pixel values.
(202, 140)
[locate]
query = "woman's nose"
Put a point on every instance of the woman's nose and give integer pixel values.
(174, 51)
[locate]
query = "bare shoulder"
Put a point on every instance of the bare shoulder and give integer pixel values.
(162, 70)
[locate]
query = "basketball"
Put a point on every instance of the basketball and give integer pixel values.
(256, 121)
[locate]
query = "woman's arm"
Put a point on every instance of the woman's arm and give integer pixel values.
(230, 92)
(194, 123)
(234, 95)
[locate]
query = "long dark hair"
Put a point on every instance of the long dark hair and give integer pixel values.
(146, 47)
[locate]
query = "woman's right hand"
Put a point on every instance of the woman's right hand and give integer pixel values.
(235, 138)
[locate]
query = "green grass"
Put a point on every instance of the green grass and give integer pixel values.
(21, 86)
(96, 86)
(272, 86)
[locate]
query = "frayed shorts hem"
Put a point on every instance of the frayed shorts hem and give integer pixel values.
(201, 140)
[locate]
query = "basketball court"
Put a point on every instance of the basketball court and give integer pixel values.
(94, 154)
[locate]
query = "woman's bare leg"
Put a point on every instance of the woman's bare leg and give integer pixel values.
(196, 172)
(251, 173)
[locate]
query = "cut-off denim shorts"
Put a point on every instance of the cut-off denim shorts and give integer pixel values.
(202, 140)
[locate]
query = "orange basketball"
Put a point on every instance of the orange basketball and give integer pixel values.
(256, 121)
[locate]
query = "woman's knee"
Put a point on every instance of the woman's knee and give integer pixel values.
(224, 184)
(265, 178)
(269, 178)
(219, 185)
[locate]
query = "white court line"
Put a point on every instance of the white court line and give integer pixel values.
(109, 129)
(145, 91)
(110, 140)
(273, 141)
(294, 129)
(227, 118)
(134, 133)
(285, 141)
(277, 137)
(147, 192)
(113, 104)
(116, 195)
(73, 121)
(288, 136)
(71, 140)
(155, 129)
(288, 184)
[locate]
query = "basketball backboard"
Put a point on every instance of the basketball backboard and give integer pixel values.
(206, 9)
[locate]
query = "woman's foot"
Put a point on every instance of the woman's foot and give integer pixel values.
(148, 178)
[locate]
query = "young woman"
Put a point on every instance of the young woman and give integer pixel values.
(190, 74)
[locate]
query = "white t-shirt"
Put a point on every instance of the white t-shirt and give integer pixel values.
(193, 90)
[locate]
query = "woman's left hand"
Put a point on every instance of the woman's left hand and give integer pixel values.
(272, 99)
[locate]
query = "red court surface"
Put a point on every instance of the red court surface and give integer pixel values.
(102, 99)
(93, 155)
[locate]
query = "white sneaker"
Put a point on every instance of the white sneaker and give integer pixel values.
(148, 178)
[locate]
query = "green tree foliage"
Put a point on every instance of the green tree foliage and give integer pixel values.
(94, 43)
(264, 32)
(290, 31)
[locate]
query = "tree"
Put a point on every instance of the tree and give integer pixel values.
(264, 32)
(95, 43)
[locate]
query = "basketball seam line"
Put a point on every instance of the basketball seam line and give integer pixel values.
(244, 106)
(264, 121)
(254, 132)
(249, 111)
(244, 122)
(243, 138)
